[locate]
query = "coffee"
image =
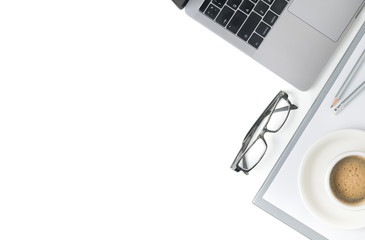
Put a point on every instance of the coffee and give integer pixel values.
(347, 180)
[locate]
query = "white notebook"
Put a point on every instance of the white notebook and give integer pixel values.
(280, 195)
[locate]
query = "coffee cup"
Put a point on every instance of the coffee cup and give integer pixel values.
(345, 180)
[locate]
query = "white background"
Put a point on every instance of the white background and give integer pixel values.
(120, 119)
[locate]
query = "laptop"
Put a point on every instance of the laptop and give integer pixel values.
(292, 38)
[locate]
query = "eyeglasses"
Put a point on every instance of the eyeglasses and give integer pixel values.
(254, 145)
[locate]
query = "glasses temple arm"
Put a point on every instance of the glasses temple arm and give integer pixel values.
(292, 107)
(263, 115)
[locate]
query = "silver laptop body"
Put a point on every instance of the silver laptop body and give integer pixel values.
(295, 42)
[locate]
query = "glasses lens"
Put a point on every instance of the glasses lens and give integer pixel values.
(279, 116)
(254, 154)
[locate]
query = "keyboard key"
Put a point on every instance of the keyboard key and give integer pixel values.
(250, 20)
(234, 3)
(270, 18)
(204, 5)
(236, 21)
(255, 40)
(247, 6)
(212, 11)
(249, 26)
(263, 29)
(261, 8)
(219, 3)
(278, 6)
(224, 16)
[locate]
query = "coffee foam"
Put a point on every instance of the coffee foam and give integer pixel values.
(347, 180)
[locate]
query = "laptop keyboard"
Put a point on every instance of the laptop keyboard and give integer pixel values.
(250, 20)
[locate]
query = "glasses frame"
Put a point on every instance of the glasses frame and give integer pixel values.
(269, 111)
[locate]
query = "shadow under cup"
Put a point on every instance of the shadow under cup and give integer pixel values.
(346, 180)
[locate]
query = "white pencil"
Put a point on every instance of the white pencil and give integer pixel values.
(350, 97)
(348, 79)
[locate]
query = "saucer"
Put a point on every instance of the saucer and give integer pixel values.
(312, 178)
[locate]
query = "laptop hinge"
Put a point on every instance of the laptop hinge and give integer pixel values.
(180, 3)
(360, 9)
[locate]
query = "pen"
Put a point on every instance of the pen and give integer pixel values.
(350, 97)
(348, 79)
